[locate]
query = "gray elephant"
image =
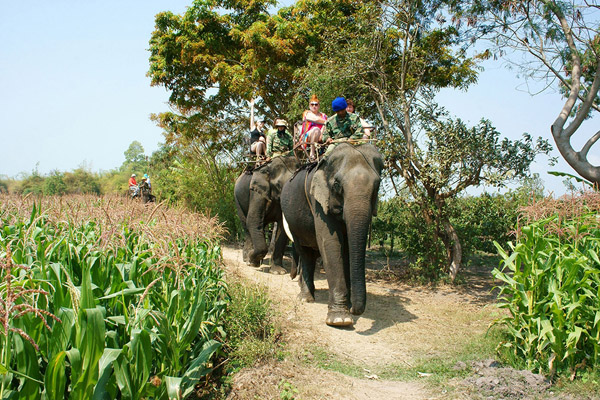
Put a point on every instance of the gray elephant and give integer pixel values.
(327, 211)
(257, 195)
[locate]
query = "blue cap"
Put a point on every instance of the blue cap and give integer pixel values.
(146, 176)
(339, 104)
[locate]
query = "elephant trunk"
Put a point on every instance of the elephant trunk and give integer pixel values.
(256, 227)
(357, 224)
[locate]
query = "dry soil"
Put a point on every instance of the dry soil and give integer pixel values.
(401, 325)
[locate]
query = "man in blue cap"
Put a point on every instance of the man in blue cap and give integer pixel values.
(342, 125)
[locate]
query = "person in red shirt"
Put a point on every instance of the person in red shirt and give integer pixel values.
(133, 186)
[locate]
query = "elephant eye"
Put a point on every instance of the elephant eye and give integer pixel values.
(337, 186)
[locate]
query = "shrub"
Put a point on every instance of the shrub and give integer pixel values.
(551, 285)
(250, 325)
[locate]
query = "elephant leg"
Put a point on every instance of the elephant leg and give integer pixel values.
(332, 243)
(247, 247)
(307, 258)
(273, 238)
(295, 271)
(281, 241)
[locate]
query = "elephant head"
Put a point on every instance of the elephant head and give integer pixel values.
(345, 188)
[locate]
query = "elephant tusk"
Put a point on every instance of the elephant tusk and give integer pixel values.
(286, 228)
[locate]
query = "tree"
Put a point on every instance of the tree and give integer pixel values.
(134, 156)
(562, 46)
(81, 181)
(397, 58)
(54, 184)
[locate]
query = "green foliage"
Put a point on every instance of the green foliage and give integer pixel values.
(482, 220)
(479, 222)
(135, 160)
(220, 52)
(550, 285)
(33, 183)
(81, 181)
(252, 335)
(54, 184)
(287, 390)
(118, 304)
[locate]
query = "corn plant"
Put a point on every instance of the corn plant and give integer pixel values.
(551, 288)
(103, 298)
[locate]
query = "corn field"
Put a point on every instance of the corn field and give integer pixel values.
(551, 286)
(105, 298)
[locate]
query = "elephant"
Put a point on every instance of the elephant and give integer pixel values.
(257, 195)
(146, 193)
(327, 211)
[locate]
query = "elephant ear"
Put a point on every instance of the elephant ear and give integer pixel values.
(374, 204)
(260, 183)
(320, 189)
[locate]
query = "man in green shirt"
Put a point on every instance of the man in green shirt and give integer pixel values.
(279, 140)
(343, 125)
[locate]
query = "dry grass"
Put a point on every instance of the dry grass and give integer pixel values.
(115, 217)
(583, 207)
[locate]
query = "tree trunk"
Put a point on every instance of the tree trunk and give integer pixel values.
(453, 248)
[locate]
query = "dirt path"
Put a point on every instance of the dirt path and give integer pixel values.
(400, 325)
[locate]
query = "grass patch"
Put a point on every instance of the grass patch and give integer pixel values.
(434, 370)
(250, 324)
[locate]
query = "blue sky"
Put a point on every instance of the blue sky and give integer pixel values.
(74, 91)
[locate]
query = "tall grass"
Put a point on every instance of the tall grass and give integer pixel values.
(105, 298)
(551, 286)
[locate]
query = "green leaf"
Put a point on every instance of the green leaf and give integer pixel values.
(173, 387)
(142, 358)
(28, 367)
(577, 178)
(90, 341)
(124, 292)
(87, 296)
(105, 371)
(198, 367)
(55, 379)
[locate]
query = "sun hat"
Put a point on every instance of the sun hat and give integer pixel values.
(339, 104)
(133, 175)
(281, 122)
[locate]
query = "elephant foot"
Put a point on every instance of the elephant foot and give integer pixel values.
(306, 297)
(339, 318)
(254, 265)
(277, 270)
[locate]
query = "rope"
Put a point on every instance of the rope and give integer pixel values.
(306, 193)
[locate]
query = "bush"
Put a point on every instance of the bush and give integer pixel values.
(481, 220)
(249, 324)
(551, 285)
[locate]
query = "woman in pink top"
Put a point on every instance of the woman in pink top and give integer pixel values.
(313, 122)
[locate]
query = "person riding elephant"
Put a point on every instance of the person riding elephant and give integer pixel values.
(327, 211)
(342, 125)
(257, 194)
(279, 141)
